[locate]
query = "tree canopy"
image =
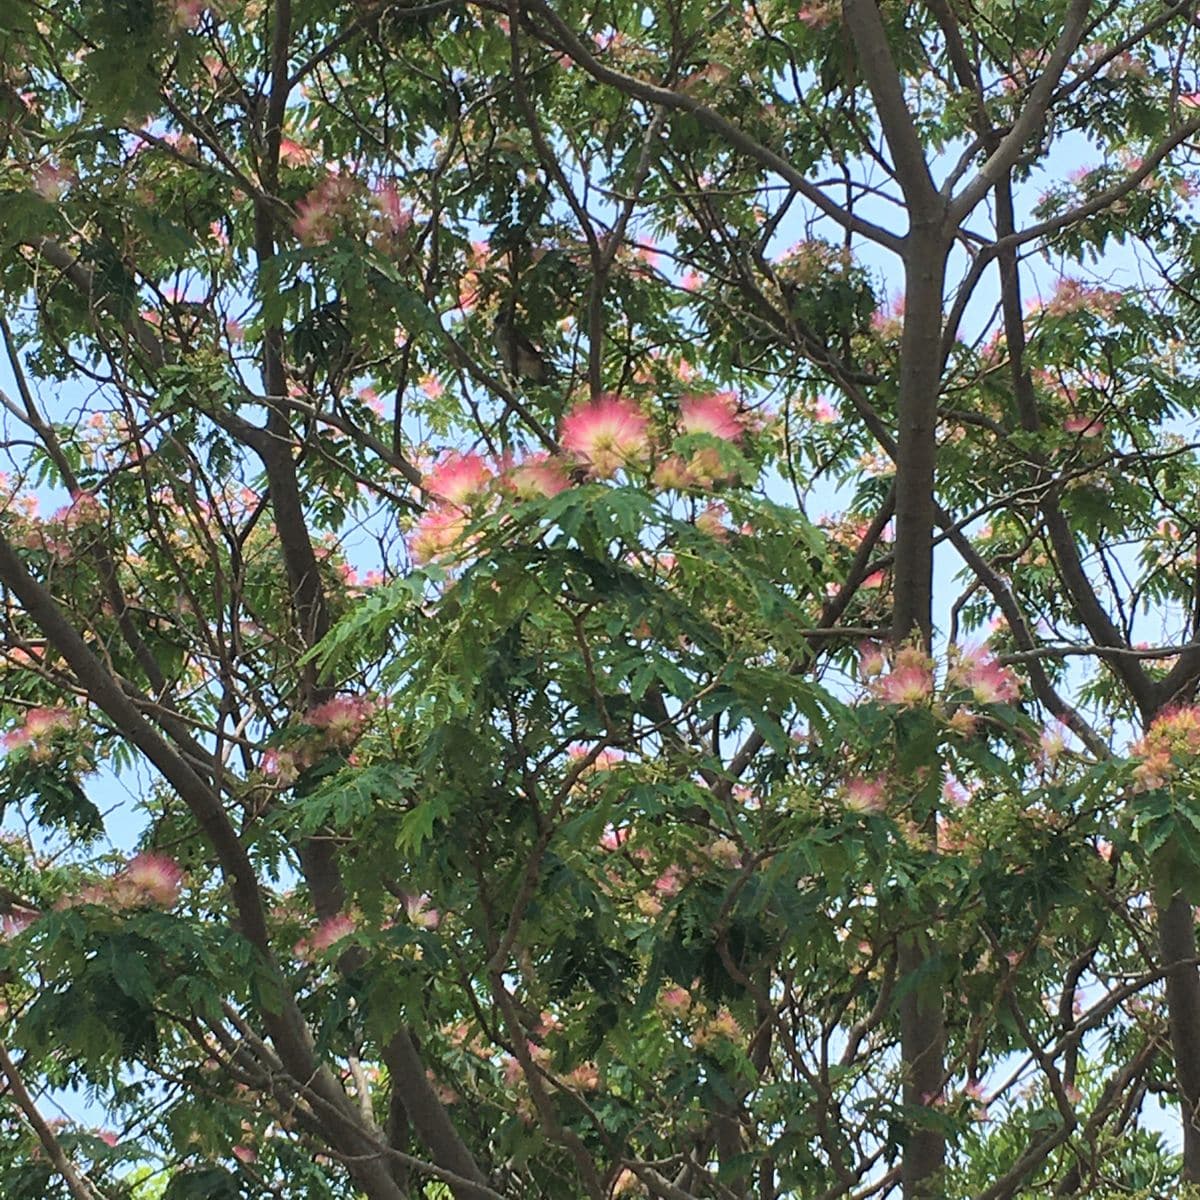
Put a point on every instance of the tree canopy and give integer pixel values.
(599, 599)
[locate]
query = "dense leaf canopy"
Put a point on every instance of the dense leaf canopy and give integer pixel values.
(599, 599)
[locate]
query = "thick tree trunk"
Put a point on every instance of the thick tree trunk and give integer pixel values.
(1177, 942)
(922, 1022)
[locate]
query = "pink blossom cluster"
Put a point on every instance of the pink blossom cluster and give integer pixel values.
(322, 211)
(977, 671)
(1073, 295)
(420, 911)
(906, 678)
(326, 935)
(340, 722)
(148, 880)
(606, 434)
(817, 16)
(909, 681)
(37, 732)
(599, 437)
(342, 719)
(1173, 735)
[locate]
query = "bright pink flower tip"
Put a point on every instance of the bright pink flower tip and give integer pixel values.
(331, 931)
(458, 478)
(866, 795)
(342, 718)
(607, 433)
(716, 414)
(438, 532)
(538, 475)
(157, 877)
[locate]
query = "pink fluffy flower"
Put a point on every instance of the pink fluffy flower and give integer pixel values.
(419, 912)
(866, 795)
(613, 838)
(1173, 735)
(342, 718)
(823, 412)
(327, 933)
(712, 521)
(607, 433)
(292, 154)
(151, 878)
(1083, 426)
(319, 214)
(672, 474)
(976, 670)
(675, 1001)
(669, 882)
(871, 660)
(909, 683)
(280, 765)
(716, 414)
(458, 478)
(396, 215)
(438, 532)
(538, 475)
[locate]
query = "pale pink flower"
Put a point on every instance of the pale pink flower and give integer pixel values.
(584, 1078)
(319, 214)
(712, 521)
(292, 154)
(342, 718)
(432, 386)
(675, 1001)
(866, 795)
(371, 398)
(871, 660)
(281, 765)
(458, 478)
(1083, 426)
(438, 532)
(613, 838)
(672, 474)
(607, 433)
(976, 670)
(391, 207)
(909, 683)
(538, 475)
(816, 16)
(331, 931)
(154, 878)
(724, 1025)
(953, 793)
(690, 281)
(715, 414)
(669, 882)
(1174, 734)
(419, 912)
(823, 412)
